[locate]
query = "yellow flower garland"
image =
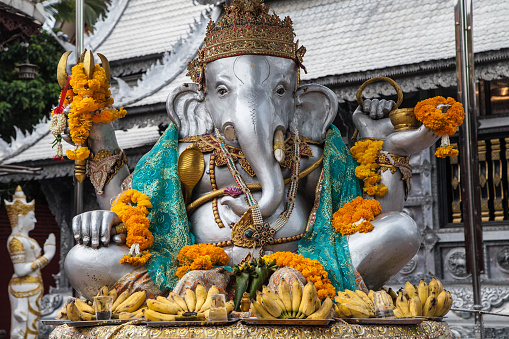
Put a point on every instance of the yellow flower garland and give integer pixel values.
(200, 257)
(365, 153)
(137, 223)
(310, 269)
(441, 123)
(356, 216)
(91, 102)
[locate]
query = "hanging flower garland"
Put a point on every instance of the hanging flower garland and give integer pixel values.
(442, 116)
(200, 257)
(132, 208)
(356, 216)
(365, 153)
(90, 101)
(310, 269)
(59, 120)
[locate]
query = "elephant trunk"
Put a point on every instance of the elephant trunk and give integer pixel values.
(255, 128)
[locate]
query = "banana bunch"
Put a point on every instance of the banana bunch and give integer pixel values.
(194, 305)
(428, 300)
(297, 303)
(125, 306)
(355, 304)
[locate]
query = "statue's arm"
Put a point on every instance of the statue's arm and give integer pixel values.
(17, 253)
(102, 137)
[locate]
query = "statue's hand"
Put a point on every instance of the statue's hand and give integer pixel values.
(50, 247)
(371, 119)
(408, 142)
(94, 227)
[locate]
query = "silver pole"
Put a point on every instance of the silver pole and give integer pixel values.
(80, 28)
(468, 150)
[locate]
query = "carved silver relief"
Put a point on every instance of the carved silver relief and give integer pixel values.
(456, 263)
(502, 260)
(410, 266)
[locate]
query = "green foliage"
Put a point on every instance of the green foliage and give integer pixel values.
(92, 10)
(24, 102)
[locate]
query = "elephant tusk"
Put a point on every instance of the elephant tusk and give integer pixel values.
(253, 187)
(279, 146)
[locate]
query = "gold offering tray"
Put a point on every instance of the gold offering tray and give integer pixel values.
(89, 323)
(384, 321)
(287, 322)
(190, 323)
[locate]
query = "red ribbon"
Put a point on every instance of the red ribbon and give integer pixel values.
(60, 108)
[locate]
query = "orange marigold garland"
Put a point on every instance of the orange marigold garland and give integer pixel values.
(200, 257)
(365, 153)
(310, 269)
(442, 116)
(356, 216)
(132, 208)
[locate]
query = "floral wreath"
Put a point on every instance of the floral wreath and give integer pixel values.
(312, 270)
(139, 238)
(90, 101)
(443, 117)
(356, 216)
(200, 257)
(365, 152)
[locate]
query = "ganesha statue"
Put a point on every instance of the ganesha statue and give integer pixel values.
(252, 163)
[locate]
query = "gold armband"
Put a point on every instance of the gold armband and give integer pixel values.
(103, 166)
(39, 263)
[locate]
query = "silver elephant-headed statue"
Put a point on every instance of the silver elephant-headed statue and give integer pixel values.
(250, 111)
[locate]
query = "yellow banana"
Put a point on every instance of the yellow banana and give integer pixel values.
(178, 299)
(448, 305)
(74, 314)
(163, 307)
(370, 295)
(83, 306)
(397, 313)
(409, 290)
(131, 315)
(296, 297)
(103, 291)
(260, 311)
(284, 295)
(274, 296)
(348, 299)
(324, 311)
(353, 295)
(190, 299)
(342, 311)
(307, 304)
(415, 306)
(422, 290)
(132, 303)
(270, 305)
(430, 306)
(152, 315)
(213, 290)
(441, 303)
(113, 293)
(229, 306)
(366, 300)
(120, 299)
(440, 287)
(62, 314)
(201, 296)
(356, 311)
(392, 294)
(402, 305)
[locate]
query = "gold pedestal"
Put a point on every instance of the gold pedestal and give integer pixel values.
(338, 329)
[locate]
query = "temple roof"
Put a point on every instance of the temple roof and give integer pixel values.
(347, 42)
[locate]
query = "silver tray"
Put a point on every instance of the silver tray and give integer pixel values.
(89, 323)
(384, 321)
(189, 323)
(287, 322)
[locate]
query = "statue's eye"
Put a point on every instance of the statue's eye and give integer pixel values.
(280, 91)
(222, 91)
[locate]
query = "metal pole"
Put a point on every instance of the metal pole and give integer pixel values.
(80, 27)
(468, 152)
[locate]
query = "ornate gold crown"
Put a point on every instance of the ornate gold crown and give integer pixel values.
(246, 28)
(18, 205)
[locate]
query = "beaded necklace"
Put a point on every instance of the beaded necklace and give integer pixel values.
(263, 232)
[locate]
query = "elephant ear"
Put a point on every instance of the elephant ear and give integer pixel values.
(316, 107)
(186, 108)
